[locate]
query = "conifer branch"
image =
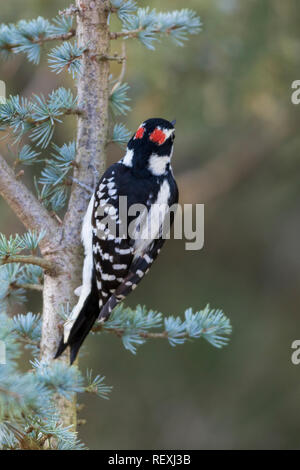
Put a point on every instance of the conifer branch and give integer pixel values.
(29, 36)
(148, 26)
(134, 326)
(39, 116)
(35, 260)
(123, 69)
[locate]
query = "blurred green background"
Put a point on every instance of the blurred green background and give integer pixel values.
(237, 151)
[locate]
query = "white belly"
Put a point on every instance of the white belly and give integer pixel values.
(150, 227)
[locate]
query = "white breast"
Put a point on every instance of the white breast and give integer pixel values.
(151, 227)
(158, 164)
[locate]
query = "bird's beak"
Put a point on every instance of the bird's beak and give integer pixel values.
(173, 122)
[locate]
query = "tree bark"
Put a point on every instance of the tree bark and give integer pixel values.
(93, 95)
(25, 205)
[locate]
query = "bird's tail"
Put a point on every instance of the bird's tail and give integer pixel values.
(83, 323)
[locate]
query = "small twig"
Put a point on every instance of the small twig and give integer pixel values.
(28, 286)
(26, 340)
(36, 260)
(143, 334)
(20, 174)
(135, 32)
(56, 217)
(123, 69)
(126, 34)
(87, 188)
(152, 335)
(71, 11)
(53, 37)
(115, 57)
(10, 393)
(77, 111)
(102, 57)
(57, 37)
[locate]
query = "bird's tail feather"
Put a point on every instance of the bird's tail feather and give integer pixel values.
(83, 323)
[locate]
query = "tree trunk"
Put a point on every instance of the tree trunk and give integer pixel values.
(57, 292)
(93, 95)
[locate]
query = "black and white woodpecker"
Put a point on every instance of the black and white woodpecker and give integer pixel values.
(116, 260)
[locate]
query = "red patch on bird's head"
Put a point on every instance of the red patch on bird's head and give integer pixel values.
(139, 133)
(158, 136)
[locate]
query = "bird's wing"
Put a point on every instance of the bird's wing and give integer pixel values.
(134, 256)
(137, 270)
(112, 251)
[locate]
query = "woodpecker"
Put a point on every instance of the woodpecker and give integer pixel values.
(116, 260)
